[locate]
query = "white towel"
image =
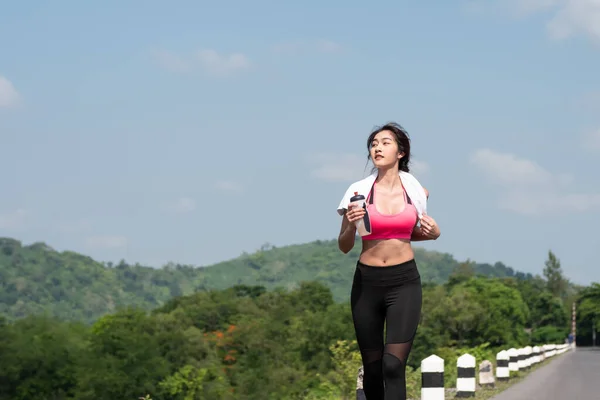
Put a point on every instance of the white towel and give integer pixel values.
(413, 188)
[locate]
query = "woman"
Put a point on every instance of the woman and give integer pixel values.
(387, 284)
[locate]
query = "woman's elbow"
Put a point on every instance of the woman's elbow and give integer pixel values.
(345, 246)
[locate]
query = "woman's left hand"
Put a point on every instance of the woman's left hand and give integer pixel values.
(429, 227)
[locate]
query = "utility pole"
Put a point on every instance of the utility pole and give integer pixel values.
(573, 327)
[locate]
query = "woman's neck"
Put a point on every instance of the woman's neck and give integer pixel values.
(388, 178)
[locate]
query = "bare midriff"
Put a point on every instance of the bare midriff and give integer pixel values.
(382, 253)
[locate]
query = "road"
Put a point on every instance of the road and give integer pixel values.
(573, 375)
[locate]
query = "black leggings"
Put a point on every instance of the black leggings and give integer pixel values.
(391, 294)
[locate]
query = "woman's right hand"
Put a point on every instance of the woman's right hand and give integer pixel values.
(354, 213)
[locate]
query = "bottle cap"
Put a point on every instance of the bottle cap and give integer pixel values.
(356, 197)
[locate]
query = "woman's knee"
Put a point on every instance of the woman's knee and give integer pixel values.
(393, 367)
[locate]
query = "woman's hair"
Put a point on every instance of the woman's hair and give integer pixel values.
(402, 140)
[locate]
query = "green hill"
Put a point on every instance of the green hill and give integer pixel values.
(36, 279)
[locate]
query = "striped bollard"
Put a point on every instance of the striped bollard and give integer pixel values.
(465, 381)
(543, 355)
(432, 378)
(536, 355)
(528, 355)
(521, 358)
(513, 358)
(502, 371)
(546, 351)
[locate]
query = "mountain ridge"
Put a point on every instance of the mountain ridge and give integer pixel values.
(36, 278)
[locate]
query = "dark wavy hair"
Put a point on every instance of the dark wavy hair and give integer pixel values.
(402, 139)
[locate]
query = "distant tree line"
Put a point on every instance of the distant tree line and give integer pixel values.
(251, 342)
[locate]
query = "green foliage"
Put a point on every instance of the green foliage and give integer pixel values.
(588, 314)
(500, 306)
(549, 334)
(43, 356)
(271, 325)
(340, 381)
(250, 343)
(191, 383)
(556, 283)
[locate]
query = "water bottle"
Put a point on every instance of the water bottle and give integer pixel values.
(363, 226)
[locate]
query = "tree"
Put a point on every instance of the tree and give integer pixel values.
(39, 358)
(555, 281)
(547, 310)
(588, 313)
(462, 272)
(501, 313)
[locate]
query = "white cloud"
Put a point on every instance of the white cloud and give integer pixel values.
(221, 64)
(528, 188)
(8, 94)
(591, 140)
(106, 242)
(183, 205)
(510, 169)
(575, 17)
(549, 201)
(229, 186)
(14, 220)
(567, 17)
(208, 60)
(335, 167)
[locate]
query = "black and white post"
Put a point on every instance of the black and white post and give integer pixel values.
(521, 358)
(528, 361)
(513, 360)
(432, 378)
(502, 371)
(465, 381)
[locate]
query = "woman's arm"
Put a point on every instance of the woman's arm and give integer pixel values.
(418, 235)
(433, 232)
(347, 235)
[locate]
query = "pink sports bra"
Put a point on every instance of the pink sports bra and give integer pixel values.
(394, 226)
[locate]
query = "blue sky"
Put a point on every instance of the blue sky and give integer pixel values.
(192, 132)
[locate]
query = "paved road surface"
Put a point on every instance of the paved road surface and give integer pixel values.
(574, 375)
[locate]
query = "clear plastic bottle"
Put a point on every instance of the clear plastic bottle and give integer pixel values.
(363, 226)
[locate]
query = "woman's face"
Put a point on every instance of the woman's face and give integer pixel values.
(384, 150)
